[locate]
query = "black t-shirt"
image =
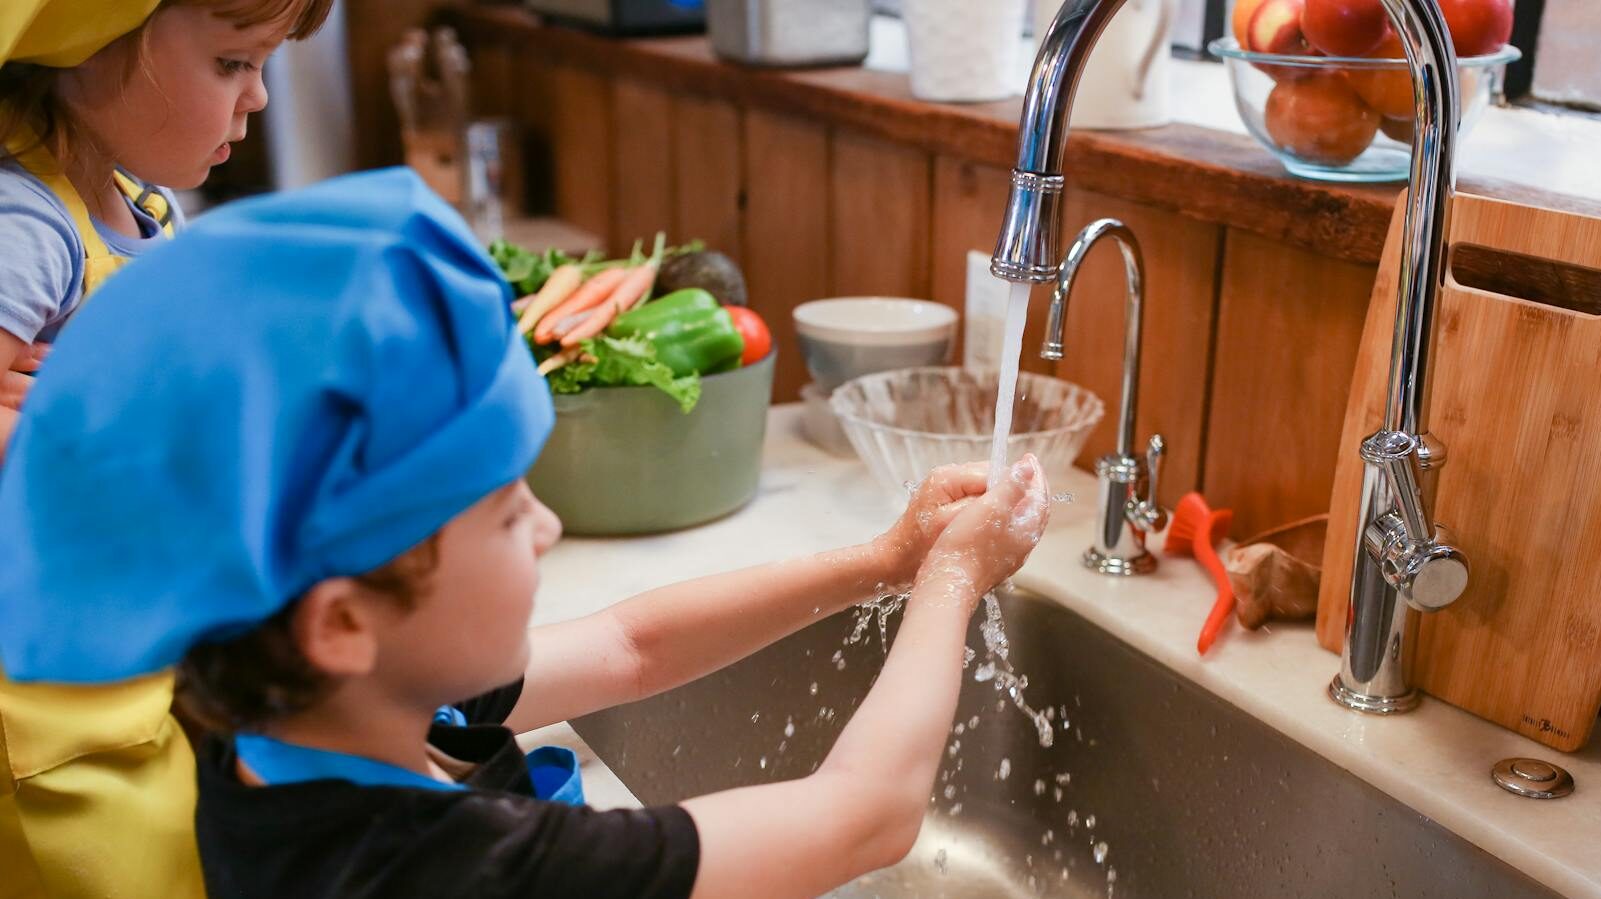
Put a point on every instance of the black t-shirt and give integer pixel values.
(333, 838)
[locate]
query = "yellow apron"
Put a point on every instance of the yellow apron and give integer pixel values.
(97, 784)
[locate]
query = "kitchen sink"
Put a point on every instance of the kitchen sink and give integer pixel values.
(1152, 786)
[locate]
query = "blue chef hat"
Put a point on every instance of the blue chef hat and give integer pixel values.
(299, 387)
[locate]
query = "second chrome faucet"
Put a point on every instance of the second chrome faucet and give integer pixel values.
(1128, 508)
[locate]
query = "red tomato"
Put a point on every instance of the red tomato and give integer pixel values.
(758, 340)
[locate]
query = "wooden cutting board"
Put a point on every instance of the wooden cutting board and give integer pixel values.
(1517, 404)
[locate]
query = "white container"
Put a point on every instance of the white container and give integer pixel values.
(845, 338)
(964, 51)
(789, 32)
(1125, 82)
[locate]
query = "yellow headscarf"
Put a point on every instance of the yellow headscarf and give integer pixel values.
(64, 33)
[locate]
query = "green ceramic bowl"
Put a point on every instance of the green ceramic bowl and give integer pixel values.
(625, 460)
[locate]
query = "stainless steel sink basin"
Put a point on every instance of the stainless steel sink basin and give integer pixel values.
(1190, 796)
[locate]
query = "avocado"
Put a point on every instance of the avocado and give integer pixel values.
(710, 271)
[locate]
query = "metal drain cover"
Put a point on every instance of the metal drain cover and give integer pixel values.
(1532, 778)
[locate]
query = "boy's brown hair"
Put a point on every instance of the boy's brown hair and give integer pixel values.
(28, 99)
(252, 679)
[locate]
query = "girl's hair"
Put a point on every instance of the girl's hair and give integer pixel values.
(261, 675)
(28, 97)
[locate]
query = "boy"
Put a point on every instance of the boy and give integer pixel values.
(316, 501)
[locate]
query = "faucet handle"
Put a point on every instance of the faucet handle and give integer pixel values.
(1147, 513)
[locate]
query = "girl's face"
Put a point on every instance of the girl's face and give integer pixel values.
(168, 113)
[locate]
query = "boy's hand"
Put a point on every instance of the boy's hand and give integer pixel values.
(944, 493)
(989, 539)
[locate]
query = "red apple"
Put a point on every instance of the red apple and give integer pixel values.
(1276, 28)
(1387, 90)
(1478, 26)
(1345, 27)
(1241, 21)
(1320, 119)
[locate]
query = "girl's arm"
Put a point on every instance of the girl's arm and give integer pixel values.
(672, 635)
(12, 351)
(863, 807)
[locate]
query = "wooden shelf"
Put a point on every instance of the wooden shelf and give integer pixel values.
(1210, 175)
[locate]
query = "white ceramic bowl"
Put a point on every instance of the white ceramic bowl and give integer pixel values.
(849, 337)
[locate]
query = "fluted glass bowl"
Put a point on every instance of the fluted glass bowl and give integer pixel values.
(1344, 118)
(906, 422)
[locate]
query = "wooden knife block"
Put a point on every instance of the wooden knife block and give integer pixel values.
(1517, 404)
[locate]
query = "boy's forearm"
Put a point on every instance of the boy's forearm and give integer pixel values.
(683, 631)
(900, 728)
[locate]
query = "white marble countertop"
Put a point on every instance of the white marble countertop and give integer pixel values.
(1436, 760)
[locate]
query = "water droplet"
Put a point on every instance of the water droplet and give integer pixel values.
(1100, 852)
(755, 717)
(813, 688)
(789, 727)
(959, 729)
(1072, 818)
(1089, 821)
(1057, 794)
(763, 762)
(1039, 787)
(956, 809)
(1005, 769)
(956, 746)
(839, 659)
(972, 722)
(950, 791)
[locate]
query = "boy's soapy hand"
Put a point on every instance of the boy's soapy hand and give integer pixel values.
(943, 494)
(990, 537)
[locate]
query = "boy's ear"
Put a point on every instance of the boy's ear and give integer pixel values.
(335, 629)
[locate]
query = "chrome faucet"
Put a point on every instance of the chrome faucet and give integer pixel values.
(1404, 561)
(1128, 508)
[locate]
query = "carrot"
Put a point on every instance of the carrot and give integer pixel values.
(558, 287)
(558, 360)
(591, 294)
(637, 284)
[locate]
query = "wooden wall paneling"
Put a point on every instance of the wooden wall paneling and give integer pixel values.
(493, 90)
(642, 164)
(1181, 259)
(969, 198)
(708, 174)
(371, 28)
(582, 148)
(785, 245)
(1289, 325)
(534, 108)
(878, 217)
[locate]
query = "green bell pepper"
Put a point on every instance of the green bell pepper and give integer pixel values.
(692, 333)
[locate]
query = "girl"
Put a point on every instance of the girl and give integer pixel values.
(93, 116)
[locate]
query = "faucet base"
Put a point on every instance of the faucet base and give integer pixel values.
(1372, 705)
(1101, 563)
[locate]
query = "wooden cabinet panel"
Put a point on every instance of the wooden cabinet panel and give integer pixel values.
(582, 148)
(879, 218)
(786, 238)
(708, 179)
(1289, 323)
(642, 164)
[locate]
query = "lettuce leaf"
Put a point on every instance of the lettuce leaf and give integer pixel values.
(625, 362)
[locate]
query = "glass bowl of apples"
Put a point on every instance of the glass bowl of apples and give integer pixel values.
(1323, 84)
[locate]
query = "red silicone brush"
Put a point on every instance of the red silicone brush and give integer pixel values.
(1195, 531)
